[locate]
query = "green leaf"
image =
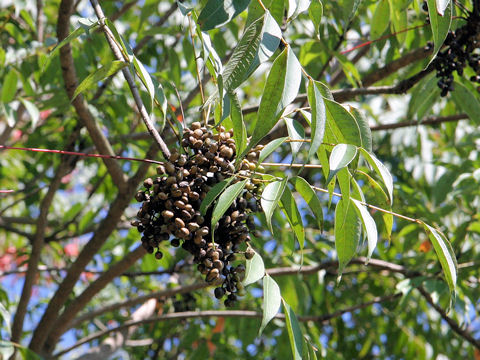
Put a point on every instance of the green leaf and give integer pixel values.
(6, 349)
(347, 232)
(219, 12)
(341, 126)
(105, 71)
(146, 79)
(310, 197)
(32, 111)
(365, 132)
(424, 95)
(381, 170)
(213, 193)
(368, 225)
(256, 46)
(288, 204)
(466, 101)
(295, 132)
(73, 35)
(281, 88)
(6, 319)
(445, 255)
(294, 331)
(10, 114)
(9, 86)
(380, 20)
(270, 197)
(270, 147)
(341, 156)
(225, 200)
(440, 24)
(271, 301)
(239, 129)
(315, 12)
(318, 120)
(398, 17)
(254, 270)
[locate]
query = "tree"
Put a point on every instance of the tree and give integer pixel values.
(327, 178)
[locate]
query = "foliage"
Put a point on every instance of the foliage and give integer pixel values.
(369, 177)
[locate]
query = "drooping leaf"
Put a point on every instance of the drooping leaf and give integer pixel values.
(214, 192)
(424, 95)
(347, 232)
(256, 46)
(145, 77)
(281, 88)
(254, 270)
(288, 204)
(219, 12)
(381, 170)
(380, 20)
(271, 301)
(440, 24)
(445, 255)
(368, 225)
(105, 71)
(467, 101)
(296, 133)
(294, 331)
(73, 35)
(270, 197)
(225, 200)
(310, 197)
(318, 117)
(341, 156)
(398, 17)
(270, 148)
(344, 179)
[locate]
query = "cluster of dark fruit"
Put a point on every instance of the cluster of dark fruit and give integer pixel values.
(171, 207)
(461, 50)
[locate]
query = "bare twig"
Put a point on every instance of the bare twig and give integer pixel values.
(39, 21)
(223, 313)
(130, 80)
(432, 120)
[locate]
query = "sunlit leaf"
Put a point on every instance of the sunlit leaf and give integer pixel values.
(9, 86)
(271, 301)
(347, 232)
(254, 270)
(368, 225)
(467, 101)
(440, 24)
(91, 81)
(341, 156)
(213, 193)
(381, 170)
(216, 13)
(341, 126)
(445, 255)
(239, 129)
(294, 331)
(380, 20)
(270, 197)
(296, 133)
(270, 148)
(225, 200)
(281, 88)
(318, 115)
(310, 197)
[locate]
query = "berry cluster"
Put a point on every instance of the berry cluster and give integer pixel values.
(461, 50)
(171, 207)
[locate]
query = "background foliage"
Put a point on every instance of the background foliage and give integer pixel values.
(368, 160)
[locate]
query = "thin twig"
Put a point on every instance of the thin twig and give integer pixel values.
(223, 313)
(130, 80)
(432, 120)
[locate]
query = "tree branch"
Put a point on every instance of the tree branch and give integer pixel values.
(432, 120)
(222, 313)
(452, 323)
(130, 80)
(71, 83)
(64, 320)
